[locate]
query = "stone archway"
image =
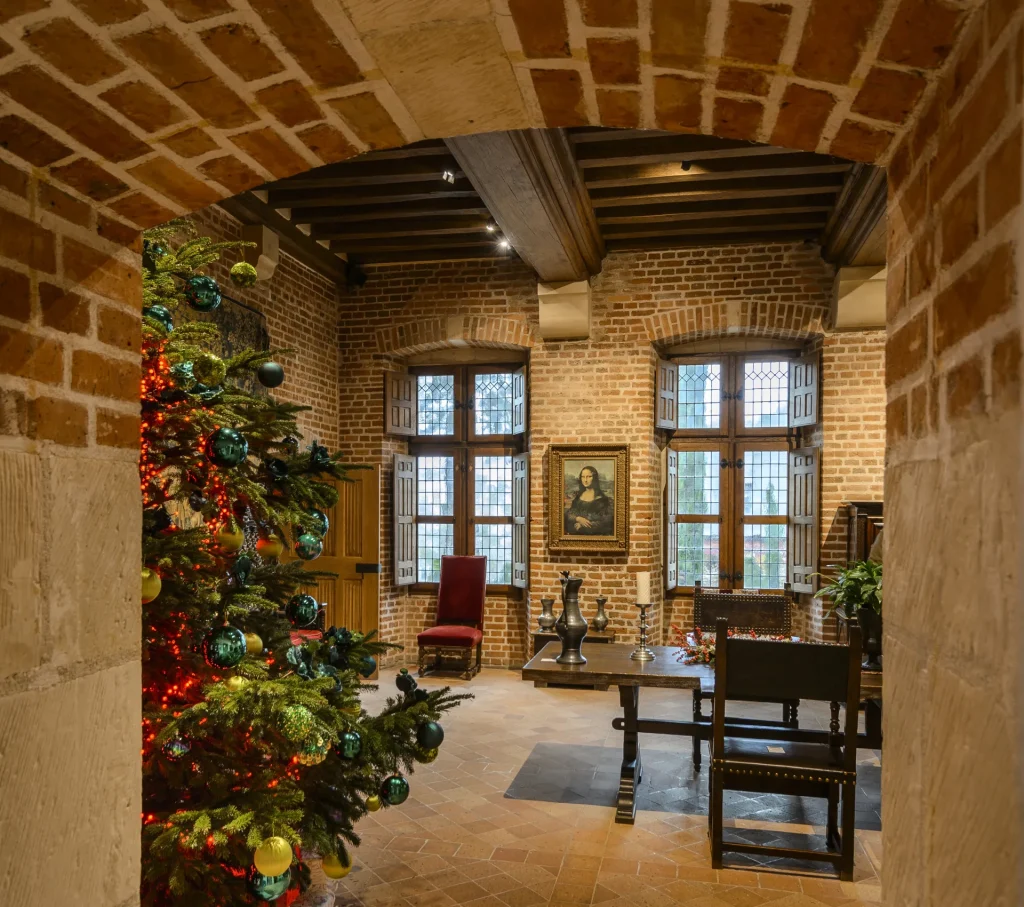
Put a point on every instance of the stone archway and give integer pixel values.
(119, 115)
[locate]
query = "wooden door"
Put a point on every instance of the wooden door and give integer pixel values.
(352, 550)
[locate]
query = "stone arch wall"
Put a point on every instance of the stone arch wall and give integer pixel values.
(418, 335)
(739, 317)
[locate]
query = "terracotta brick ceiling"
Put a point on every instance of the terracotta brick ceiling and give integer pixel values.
(157, 108)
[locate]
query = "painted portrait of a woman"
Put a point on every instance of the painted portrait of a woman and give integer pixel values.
(589, 510)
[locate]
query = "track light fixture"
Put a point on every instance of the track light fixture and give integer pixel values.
(448, 176)
(686, 165)
(491, 228)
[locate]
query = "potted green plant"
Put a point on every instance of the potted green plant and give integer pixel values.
(856, 592)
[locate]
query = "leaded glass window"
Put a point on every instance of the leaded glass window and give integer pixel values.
(435, 401)
(492, 404)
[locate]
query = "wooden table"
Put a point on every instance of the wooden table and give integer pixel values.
(609, 665)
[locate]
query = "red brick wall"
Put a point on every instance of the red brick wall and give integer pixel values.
(598, 390)
(952, 540)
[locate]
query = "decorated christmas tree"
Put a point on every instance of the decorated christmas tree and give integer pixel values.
(257, 756)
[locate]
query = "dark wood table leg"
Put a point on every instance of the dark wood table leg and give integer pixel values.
(695, 740)
(632, 769)
(873, 723)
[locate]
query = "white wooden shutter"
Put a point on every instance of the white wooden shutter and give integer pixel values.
(665, 402)
(804, 467)
(671, 526)
(519, 401)
(803, 391)
(405, 520)
(400, 404)
(520, 520)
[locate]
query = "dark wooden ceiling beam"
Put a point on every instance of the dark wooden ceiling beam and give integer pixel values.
(251, 210)
(433, 207)
(376, 173)
(700, 239)
(371, 195)
(718, 226)
(432, 226)
(767, 187)
(448, 241)
(429, 255)
(674, 149)
(858, 210)
(532, 186)
(792, 164)
(666, 220)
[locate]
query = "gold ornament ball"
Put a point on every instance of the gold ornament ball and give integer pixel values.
(335, 867)
(236, 683)
(273, 856)
(229, 540)
(354, 710)
(253, 644)
(270, 548)
(151, 585)
(426, 756)
(373, 803)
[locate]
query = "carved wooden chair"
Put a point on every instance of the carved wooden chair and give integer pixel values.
(747, 668)
(458, 629)
(767, 613)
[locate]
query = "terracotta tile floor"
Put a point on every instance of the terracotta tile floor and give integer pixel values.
(459, 840)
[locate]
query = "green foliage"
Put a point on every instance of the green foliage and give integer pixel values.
(855, 587)
(220, 775)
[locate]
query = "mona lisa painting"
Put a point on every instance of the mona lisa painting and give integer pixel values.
(588, 497)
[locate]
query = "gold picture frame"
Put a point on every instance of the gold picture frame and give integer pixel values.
(588, 497)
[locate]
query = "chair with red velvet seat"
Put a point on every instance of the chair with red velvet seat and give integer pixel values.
(460, 616)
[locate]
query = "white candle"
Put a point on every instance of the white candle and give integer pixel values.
(643, 588)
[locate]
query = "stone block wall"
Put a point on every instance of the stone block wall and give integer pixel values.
(951, 772)
(70, 523)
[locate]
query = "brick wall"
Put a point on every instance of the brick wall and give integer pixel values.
(70, 523)
(953, 544)
(599, 391)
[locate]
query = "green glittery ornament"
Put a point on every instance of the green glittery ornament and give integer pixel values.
(313, 752)
(224, 647)
(160, 314)
(297, 723)
(227, 447)
(308, 546)
(395, 790)
(176, 747)
(350, 745)
(243, 274)
(302, 610)
(209, 369)
(202, 293)
(269, 888)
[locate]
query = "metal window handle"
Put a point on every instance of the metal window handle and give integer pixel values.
(737, 576)
(739, 463)
(725, 463)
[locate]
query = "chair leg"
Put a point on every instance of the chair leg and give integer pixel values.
(697, 716)
(849, 814)
(715, 816)
(479, 649)
(832, 839)
(419, 661)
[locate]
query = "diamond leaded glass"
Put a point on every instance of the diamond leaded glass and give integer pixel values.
(492, 404)
(700, 396)
(435, 401)
(765, 394)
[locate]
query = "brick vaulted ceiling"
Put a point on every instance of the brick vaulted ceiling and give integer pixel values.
(157, 108)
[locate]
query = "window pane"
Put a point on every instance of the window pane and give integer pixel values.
(435, 486)
(764, 556)
(435, 399)
(492, 495)
(700, 396)
(492, 404)
(765, 482)
(433, 540)
(495, 542)
(766, 394)
(698, 554)
(699, 472)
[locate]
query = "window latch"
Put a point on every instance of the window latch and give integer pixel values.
(726, 463)
(739, 463)
(737, 576)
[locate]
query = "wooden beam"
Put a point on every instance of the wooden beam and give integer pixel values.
(790, 164)
(670, 149)
(859, 208)
(370, 195)
(712, 210)
(434, 207)
(365, 172)
(430, 226)
(829, 183)
(384, 244)
(454, 254)
(250, 210)
(717, 226)
(700, 239)
(531, 185)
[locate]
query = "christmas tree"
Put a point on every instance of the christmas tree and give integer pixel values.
(256, 752)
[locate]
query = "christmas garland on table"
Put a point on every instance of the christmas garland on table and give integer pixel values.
(698, 647)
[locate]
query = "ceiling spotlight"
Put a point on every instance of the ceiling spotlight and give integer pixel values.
(490, 228)
(503, 244)
(448, 176)
(686, 165)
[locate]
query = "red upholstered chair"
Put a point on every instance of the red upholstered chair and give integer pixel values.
(460, 616)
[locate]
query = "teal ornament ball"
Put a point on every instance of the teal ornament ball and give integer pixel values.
(269, 888)
(176, 747)
(308, 546)
(243, 275)
(368, 665)
(224, 647)
(302, 610)
(297, 723)
(227, 447)
(395, 790)
(151, 251)
(350, 745)
(430, 735)
(202, 293)
(405, 682)
(270, 374)
(320, 519)
(160, 314)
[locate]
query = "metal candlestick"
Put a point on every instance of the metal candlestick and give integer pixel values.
(642, 652)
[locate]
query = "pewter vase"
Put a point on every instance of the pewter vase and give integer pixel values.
(601, 619)
(547, 614)
(571, 626)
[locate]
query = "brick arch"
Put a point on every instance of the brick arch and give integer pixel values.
(151, 110)
(413, 335)
(735, 317)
